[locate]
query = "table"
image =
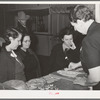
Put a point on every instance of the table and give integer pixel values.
(53, 81)
(66, 83)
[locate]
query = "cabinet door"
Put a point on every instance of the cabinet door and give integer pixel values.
(58, 22)
(43, 45)
(46, 41)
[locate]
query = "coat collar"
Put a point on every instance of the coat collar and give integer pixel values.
(92, 26)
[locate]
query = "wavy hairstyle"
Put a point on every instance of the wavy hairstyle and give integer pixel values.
(65, 31)
(81, 12)
(11, 32)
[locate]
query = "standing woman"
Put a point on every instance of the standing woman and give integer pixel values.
(10, 65)
(29, 58)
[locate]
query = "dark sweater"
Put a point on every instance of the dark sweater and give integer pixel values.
(31, 63)
(8, 67)
(57, 58)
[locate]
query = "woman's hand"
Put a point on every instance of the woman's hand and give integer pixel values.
(72, 46)
(73, 65)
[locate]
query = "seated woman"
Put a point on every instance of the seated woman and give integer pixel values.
(10, 65)
(64, 53)
(29, 59)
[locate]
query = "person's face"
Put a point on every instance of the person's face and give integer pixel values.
(79, 26)
(26, 42)
(15, 42)
(23, 21)
(67, 40)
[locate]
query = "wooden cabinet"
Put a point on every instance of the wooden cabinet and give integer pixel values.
(58, 22)
(40, 23)
(46, 40)
(43, 46)
(45, 25)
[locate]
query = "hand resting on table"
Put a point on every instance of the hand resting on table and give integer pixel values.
(73, 65)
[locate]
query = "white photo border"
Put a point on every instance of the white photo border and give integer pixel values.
(49, 94)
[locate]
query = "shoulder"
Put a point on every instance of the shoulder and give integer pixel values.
(93, 34)
(19, 50)
(30, 51)
(3, 55)
(95, 30)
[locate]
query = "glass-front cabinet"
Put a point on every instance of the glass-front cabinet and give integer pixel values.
(40, 23)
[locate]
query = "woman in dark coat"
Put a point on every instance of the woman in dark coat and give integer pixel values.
(64, 53)
(29, 59)
(10, 65)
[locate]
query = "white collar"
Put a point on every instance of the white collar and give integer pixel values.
(13, 54)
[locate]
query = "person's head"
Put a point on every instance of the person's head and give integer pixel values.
(25, 41)
(22, 17)
(66, 36)
(12, 38)
(81, 18)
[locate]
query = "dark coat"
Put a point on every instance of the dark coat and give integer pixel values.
(8, 66)
(22, 29)
(90, 54)
(31, 63)
(57, 58)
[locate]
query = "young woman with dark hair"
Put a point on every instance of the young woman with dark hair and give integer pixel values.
(63, 53)
(29, 58)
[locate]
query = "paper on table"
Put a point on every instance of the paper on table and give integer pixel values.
(51, 78)
(70, 73)
(80, 81)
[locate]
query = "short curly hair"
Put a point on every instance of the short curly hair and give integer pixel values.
(11, 32)
(81, 12)
(65, 31)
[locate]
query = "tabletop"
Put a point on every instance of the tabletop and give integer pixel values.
(66, 83)
(60, 80)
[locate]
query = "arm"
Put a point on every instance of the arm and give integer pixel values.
(73, 65)
(94, 76)
(92, 59)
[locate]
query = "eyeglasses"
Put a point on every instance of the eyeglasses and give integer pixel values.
(27, 41)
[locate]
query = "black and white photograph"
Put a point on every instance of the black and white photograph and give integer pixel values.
(50, 48)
